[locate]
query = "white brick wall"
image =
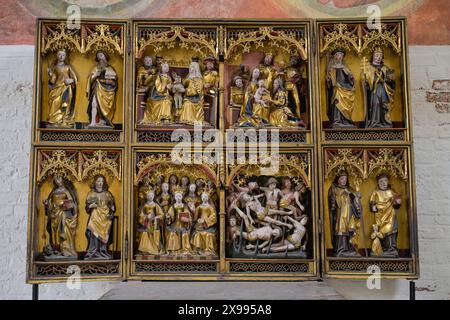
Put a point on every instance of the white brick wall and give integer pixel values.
(432, 151)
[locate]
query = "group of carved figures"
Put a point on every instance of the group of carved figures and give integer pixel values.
(169, 99)
(62, 210)
(346, 214)
(268, 219)
(177, 218)
(378, 86)
(101, 90)
(271, 95)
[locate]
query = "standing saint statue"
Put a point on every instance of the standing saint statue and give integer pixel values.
(293, 78)
(211, 85)
(345, 211)
(204, 239)
(101, 207)
(379, 88)
(159, 103)
(61, 209)
(384, 202)
(192, 108)
(340, 86)
(62, 85)
(101, 92)
(151, 218)
(268, 71)
(179, 223)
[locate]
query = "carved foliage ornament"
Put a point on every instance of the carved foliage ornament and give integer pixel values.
(151, 166)
(89, 38)
(359, 38)
(202, 43)
(80, 165)
(362, 164)
(286, 40)
(295, 166)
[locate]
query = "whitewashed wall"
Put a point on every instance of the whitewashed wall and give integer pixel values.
(431, 111)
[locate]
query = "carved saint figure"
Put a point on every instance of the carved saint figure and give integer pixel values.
(101, 92)
(192, 108)
(268, 71)
(345, 209)
(247, 116)
(178, 226)
(384, 202)
(204, 239)
(100, 206)
(177, 90)
(146, 75)
(159, 103)
(62, 84)
(379, 88)
(281, 115)
(293, 78)
(340, 86)
(261, 100)
(151, 218)
(237, 92)
(61, 209)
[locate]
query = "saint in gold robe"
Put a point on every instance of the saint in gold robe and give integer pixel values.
(178, 232)
(61, 97)
(192, 107)
(63, 218)
(204, 238)
(341, 96)
(101, 91)
(281, 115)
(100, 219)
(159, 104)
(385, 215)
(151, 237)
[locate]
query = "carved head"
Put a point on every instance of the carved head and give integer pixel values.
(150, 195)
(178, 197)
(185, 181)
(148, 61)
(255, 74)
(165, 187)
(173, 179)
(276, 232)
(272, 183)
(165, 67)
(232, 221)
(377, 56)
(101, 57)
(342, 179)
(205, 197)
(277, 84)
(383, 181)
(61, 55)
(58, 181)
(194, 70)
(287, 183)
(192, 187)
(238, 82)
(100, 183)
(268, 58)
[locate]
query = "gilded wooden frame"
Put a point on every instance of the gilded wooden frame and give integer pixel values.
(315, 145)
